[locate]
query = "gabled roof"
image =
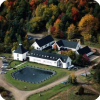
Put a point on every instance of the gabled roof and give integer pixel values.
(84, 50)
(44, 41)
(49, 56)
(20, 49)
(65, 43)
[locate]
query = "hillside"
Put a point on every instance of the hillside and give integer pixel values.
(61, 18)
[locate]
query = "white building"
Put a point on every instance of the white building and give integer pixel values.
(68, 45)
(20, 53)
(50, 59)
(43, 43)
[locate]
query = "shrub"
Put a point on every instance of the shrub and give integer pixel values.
(4, 94)
(1, 89)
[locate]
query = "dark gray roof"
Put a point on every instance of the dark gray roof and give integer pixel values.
(20, 50)
(84, 50)
(65, 43)
(44, 41)
(49, 56)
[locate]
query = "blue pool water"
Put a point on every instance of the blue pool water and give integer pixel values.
(32, 74)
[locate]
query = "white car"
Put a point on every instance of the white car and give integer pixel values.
(2, 72)
(4, 66)
(3, 57)
(69, 67)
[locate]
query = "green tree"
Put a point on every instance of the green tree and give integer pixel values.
(96, 10)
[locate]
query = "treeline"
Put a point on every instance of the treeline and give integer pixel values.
(61, 18)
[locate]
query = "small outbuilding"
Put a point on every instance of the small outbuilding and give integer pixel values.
(85, 50)
(20, 53)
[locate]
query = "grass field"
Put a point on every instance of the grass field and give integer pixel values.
(30, 86)
(91, 81)
(71, 95)
(6, 55)
(95, 45)
(14, 63)
(50, 93)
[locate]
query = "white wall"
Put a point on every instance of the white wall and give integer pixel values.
(49, 62)
(47, 45)
(42, 61)
(78, 46)
(73, 49)
(68, 60)
(90, 53)
(19, 57)
(35, 45)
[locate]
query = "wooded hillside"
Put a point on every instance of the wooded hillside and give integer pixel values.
(61, 18)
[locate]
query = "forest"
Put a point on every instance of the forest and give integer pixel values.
(60, 18)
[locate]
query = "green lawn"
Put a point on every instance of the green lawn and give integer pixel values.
(88, 95)
(6, 54)
(96, 45)
(30, 86)
(49, 93)
(14, 63)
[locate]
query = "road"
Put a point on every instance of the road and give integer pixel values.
(22, 95)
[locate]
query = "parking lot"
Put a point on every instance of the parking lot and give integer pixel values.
(0, 63)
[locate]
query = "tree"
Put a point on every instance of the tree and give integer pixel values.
(78, 60)
(95, 11)
(81, 90)
(53, 2)
(1, 89)
(69, 10)
(71, 54)
(4, 94)
(72, 78)
(71, 31)
(87, 25)
(75, 13)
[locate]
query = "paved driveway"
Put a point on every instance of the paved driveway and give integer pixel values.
(93, 57)
(0, 63)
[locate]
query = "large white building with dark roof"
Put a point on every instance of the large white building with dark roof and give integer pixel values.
(20, 53)
(50, 59)
(43, 43)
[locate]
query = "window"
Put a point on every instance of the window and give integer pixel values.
(17, 55)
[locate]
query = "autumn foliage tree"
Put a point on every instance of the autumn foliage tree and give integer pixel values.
(87, 25)
(75, 13)
(72, 78)
(71, 31)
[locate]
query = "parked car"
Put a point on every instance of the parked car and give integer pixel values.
(70, 67)
(3, 57)
(64, 82)
(5, 64)
(4, 67)
(2, 72)
(75, 68)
